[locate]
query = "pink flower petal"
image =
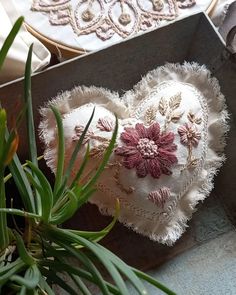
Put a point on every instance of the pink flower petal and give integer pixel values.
(153, 131)
(132, 161)
(141, 169)
(130, 136)
(154, 168)
(166, 139)
(167, 158)
(142, 131)
(125, 151)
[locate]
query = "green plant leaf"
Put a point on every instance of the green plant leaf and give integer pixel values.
(97, 236)
(16, 269)
(30, 122)
(43, 285)
(47, 195)
(67, 210)
(126, 270)
(20, 213)
(153, 282)
(9, 40)
(62, 266)
(60, 153)
(80, 284)
(22, 184)
(82, 167)
(3, 122)
(77, 149)
(29, 110)
(31, 278)
(23, 253)
(60, 235)
(54, 278)
(89, 265)
(4, 269)
(105, 160)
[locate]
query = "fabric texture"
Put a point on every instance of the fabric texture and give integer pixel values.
(14, 64)
(170, 142)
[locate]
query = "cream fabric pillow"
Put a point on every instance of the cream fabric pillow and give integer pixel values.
(169, 146)
(15, 62)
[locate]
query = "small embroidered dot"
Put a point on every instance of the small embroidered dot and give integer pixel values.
(87, 15)
(124, 19)
(158, 5)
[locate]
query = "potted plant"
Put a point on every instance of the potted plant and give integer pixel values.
(33, 256)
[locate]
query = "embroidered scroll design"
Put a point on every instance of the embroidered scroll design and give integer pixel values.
(107, 18)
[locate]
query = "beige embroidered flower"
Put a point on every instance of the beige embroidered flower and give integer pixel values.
(189, 134)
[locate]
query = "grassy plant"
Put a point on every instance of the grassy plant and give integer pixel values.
(33, 258)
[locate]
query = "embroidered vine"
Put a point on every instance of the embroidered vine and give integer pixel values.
(193, 118)
(189, 136)
(160, 197)
(169, 109)
(116, 176)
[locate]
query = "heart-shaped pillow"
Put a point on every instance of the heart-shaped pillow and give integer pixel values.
(169, 145)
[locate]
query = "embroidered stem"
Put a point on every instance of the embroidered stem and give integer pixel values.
(116, 176)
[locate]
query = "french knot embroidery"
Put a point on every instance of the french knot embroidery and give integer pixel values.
(160, 197)
(147, 150)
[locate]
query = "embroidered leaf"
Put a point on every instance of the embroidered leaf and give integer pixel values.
(176, 116)
(162, 107)
(198, 121)
(191, 117)
(78, 132)
(175, 101)
(159, 197)
(105, 124)
(97, 152)
(150, 115)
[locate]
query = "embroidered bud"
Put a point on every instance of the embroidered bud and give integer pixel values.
(159, 197)
(105, 124)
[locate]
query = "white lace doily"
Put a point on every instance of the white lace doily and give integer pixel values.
(169, 145)
(93, 24)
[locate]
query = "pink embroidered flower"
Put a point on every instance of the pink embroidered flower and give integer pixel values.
(159, 197)
(189, 134)
(147, 150)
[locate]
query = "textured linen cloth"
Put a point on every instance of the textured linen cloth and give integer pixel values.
(169, 145)
(14, 64)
